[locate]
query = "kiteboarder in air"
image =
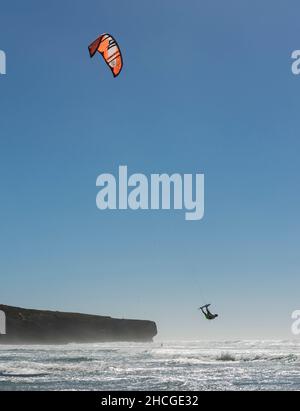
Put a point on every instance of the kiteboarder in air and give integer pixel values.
(208, 315)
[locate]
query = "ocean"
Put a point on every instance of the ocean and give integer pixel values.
(171, 365)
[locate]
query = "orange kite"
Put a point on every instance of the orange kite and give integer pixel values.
(107, 46)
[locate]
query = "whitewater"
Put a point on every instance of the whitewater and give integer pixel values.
(169, 365)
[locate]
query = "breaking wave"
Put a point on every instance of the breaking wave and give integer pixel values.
(258, 357)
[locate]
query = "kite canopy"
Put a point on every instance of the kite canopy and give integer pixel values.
(107, 46)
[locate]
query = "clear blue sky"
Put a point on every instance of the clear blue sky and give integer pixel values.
(206, 87)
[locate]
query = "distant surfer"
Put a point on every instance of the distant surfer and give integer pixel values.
(208, 315)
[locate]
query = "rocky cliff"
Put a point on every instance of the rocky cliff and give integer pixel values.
(25, 326)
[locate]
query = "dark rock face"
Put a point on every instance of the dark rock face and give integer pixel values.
(25, 326)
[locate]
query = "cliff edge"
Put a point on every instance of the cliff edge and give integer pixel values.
(26, 326)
